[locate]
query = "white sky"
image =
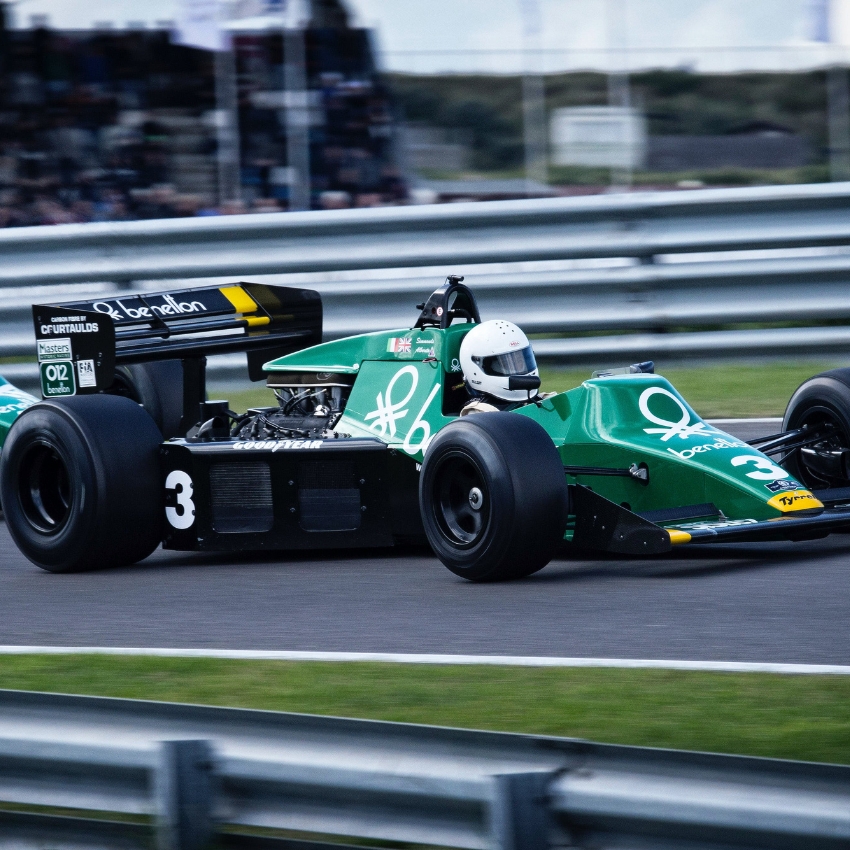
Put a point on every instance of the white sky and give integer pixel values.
(487, 35)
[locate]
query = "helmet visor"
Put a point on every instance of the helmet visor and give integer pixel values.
(519, 362)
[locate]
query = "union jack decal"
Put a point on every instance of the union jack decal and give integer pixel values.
(399, 345)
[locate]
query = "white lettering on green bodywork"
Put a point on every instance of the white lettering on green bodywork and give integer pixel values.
(12, 402)
(399, 404)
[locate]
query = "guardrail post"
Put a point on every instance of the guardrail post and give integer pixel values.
(184, 795)
(520, 818)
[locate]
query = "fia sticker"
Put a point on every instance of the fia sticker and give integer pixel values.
(85, 373)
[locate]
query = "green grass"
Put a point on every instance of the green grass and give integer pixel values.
(798, 717)
(742, 390)
(240, 400)
(729, 389)
(718, 390)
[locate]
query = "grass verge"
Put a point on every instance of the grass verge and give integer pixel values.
(797, 717)
(717, 390)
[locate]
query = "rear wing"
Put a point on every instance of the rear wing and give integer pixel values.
(80, 343)
(95, 336)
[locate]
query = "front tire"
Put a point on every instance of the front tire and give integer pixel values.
(821, 403)
(493, 497)
(79, 483)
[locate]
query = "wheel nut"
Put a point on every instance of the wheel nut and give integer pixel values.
(476, 499)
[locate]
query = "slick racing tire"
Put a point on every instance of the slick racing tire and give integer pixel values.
(493, 496)
(158, 387)
(821, 402)
(80, 483)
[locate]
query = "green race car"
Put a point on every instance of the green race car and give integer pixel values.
(363, 445)
(12, 402)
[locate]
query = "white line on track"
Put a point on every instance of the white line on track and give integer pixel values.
(417, 658)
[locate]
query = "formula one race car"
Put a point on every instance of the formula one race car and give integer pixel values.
(365, 446)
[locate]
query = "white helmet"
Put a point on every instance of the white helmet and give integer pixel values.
(491, 353)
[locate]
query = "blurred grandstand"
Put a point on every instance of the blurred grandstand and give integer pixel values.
(103, 125)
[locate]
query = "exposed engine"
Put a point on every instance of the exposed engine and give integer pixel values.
(309, 406)
(301, 412)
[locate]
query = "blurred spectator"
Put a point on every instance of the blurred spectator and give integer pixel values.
(334, 200)
(113, 126)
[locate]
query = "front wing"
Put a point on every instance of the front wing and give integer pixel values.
(603, 525)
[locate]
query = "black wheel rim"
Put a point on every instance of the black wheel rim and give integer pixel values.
(461, 501)
(44, 490)
(835, 438)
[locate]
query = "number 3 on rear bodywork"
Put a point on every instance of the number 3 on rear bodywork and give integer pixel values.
(179, 507)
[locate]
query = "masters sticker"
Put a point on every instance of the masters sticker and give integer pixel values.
(57, 379)
(52, 350)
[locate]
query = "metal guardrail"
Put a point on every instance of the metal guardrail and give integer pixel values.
(641, 225)
(621, 267)
(189, 773)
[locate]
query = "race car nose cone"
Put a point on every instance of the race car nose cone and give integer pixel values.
(476, 499)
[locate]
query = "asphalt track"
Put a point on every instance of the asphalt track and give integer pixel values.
(785, 603)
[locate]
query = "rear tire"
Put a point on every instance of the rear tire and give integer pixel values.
(493, 497)
(80, 483)
(156, 386)
(821, 401)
